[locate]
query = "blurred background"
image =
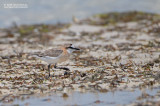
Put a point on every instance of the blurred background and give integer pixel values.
(53, 11)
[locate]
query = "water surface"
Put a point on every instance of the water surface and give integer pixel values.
(87, 99)
(53, 11)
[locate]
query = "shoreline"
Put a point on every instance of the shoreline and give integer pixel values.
(120, 51)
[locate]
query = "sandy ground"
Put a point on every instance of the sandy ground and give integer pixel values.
(117, 56)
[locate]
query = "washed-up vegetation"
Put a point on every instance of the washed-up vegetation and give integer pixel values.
(119, 51)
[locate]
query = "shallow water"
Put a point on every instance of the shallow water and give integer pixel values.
(87, 99)
(52, 11)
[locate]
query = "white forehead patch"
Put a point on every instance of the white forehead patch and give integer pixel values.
(72, 45)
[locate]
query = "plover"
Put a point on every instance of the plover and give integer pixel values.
(56, 55)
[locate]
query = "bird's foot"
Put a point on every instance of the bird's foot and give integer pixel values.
(66, 73)
(64, 68)
(49, 76)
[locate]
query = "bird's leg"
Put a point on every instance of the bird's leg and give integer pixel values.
(55, 65)
(49, 66)
(64, 68)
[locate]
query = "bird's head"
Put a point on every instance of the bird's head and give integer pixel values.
(70, 48)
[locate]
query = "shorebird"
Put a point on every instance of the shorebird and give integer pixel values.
(56, 55)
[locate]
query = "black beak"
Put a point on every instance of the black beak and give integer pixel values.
(74, 48)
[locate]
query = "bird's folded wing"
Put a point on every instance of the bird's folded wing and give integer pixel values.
(50, 53)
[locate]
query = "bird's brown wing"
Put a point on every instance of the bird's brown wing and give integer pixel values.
(50, 52)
